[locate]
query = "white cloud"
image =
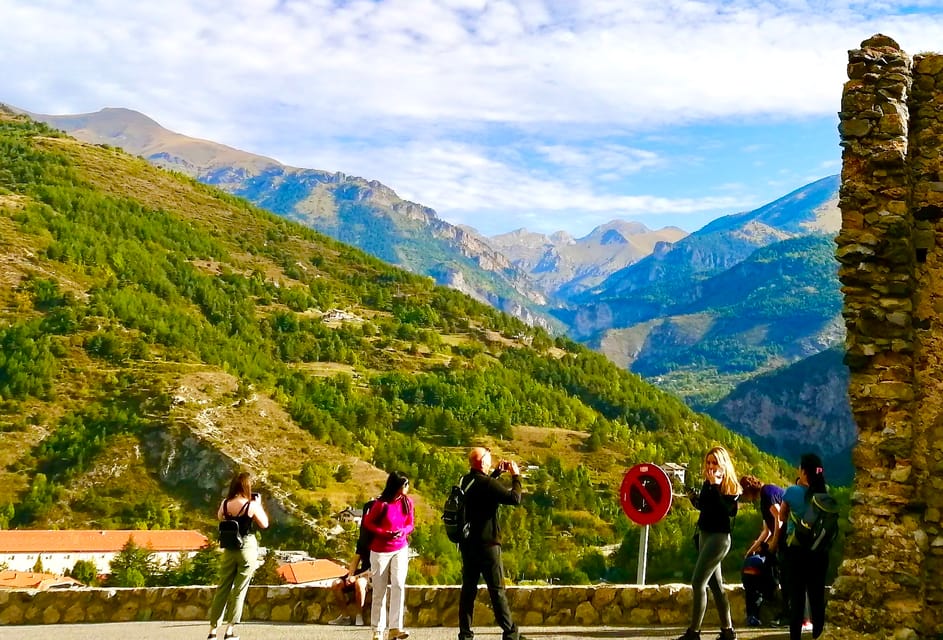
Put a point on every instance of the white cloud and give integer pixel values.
(440, 89)
(483, 191)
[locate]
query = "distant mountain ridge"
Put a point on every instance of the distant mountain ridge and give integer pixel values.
(361, 212)
(699, 314)
(159, 334)
(565, 266)
(747, 293)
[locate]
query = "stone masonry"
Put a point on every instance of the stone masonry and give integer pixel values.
(890, 583)
(668, 604)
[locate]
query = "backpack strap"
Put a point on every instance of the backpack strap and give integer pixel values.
(471, 481)
(243, 511)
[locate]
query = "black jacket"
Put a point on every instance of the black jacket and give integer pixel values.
(481, 505)
(716, 509)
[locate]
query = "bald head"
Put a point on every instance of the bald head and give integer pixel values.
(480, 458)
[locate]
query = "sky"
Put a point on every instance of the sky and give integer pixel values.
(500, 114)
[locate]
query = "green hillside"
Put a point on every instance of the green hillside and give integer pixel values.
(158, 334)
(777, 306)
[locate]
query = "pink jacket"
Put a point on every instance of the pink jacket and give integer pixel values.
(391, 523)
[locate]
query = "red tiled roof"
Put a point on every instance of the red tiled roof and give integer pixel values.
(31, 580)
(88, 540)
(311, 571)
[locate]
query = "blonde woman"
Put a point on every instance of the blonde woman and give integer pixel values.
(237, 565)
(717, 502)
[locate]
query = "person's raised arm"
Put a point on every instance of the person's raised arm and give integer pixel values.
(257, 511)
(503, 494)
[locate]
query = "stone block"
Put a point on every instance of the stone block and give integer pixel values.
(559, 618)
(193, 612)
(603, 597)
(280, 613)
(449, 616)
(855, 128)
(611, 615)
(12, 613)
(586, 615)
(628, 598)
(427, 618)
(314, 612)
(541, 599)
(532, 619)
(638, 615)
(75, 613)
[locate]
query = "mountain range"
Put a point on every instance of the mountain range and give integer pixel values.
(158, 334)
(696, 314)
(564, 266)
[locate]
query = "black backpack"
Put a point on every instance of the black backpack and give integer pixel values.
(365, 536)
(817, 527)
(457, 527)
(230, 537)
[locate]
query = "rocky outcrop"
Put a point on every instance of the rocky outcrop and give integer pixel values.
(892, 274)
(800, 408)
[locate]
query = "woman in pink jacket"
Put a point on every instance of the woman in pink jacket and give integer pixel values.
(390, 520)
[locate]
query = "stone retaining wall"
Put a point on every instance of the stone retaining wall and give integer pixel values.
(425, 606)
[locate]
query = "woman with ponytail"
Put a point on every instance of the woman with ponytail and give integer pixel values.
(390, 519)
(806, 567)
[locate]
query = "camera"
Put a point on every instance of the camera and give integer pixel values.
(256, 496)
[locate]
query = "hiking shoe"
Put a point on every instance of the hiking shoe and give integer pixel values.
(691, 635)
(807, 625)
(397, 634)
(341, 619)
(727, 634)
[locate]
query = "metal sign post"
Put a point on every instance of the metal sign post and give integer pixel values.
(642, 556)
(645, 496)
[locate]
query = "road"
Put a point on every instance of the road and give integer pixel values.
(269, 631)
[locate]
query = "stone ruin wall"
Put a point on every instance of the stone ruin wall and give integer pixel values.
(890, 251)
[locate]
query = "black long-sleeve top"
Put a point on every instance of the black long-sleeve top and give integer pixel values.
(716, 509)
(482, 500)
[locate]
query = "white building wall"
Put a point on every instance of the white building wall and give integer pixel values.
(62, 563)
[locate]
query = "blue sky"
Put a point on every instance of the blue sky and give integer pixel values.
(545, 114)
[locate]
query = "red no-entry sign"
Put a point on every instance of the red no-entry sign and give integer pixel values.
(645, 493)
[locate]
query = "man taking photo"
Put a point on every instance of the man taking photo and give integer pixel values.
(481, 551)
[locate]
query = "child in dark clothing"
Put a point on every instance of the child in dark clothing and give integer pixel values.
(758, 585)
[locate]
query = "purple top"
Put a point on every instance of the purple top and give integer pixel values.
(770, 494)
(391, 523)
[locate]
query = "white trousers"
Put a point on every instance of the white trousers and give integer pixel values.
(389, 569)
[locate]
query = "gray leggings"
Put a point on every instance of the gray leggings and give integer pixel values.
(707, 572)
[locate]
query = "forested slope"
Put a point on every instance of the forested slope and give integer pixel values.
(157, 334)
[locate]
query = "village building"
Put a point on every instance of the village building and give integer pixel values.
(313, 573)
(38, 581)
(58, 551)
